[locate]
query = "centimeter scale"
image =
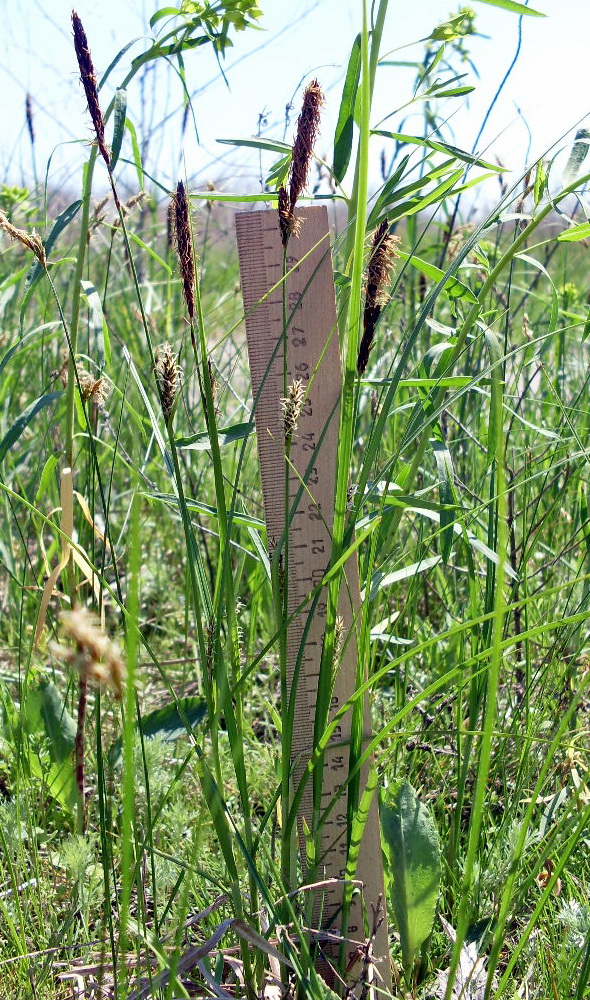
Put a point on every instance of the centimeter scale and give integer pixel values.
(313, 357)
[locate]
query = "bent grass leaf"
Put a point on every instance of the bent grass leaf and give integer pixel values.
(412, 849)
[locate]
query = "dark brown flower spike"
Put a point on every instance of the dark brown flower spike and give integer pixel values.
(184, 247)
(307, 131)
(383, 253)
(88, 79)
(308, 125)
(29, 115)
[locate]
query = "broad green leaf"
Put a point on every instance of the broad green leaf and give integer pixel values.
(170, 722)
(59, 724)
(44, 713)
(577, 156)
(575, 233)
(446, 492)
(120, 114)
(412, 850)
(19, 425)
(164, 12)
(343, 135)
(516, 8)
(453, 287)
(98, 324)
(35, 271)
(227, 435)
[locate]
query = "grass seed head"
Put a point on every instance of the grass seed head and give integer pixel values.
(29, 240)
(167, 377)
(291, 406)
(88, 79)
(383, 253)
(184, 247)
(89, 650)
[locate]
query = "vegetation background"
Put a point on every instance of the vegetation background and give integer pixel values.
(146, 831)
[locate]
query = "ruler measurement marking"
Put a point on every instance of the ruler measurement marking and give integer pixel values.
(311, 335)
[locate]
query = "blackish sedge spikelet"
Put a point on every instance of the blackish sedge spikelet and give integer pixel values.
(307, 130)
(29, 116)
(381, 260)
(88, 79)
(184, 247)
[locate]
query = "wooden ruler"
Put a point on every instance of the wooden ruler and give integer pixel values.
(313, 356)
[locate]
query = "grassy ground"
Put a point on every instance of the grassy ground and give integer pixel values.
(466, 442)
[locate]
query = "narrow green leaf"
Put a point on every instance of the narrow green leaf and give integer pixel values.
(453, 287)
(97, 323)
(269, 144)
(136, 151)
(446, 493)
(441, 147)
(343, 135)
(19, 425)
(277, 174)
(412, 848)
(120, 114)
(575, 233)
(387, 194)
(227, 435)
(35, 271)
(516, 8)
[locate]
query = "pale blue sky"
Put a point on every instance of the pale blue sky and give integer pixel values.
(548, 88)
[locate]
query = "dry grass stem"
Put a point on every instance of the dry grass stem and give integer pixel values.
(88, 79)
(383, 253)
